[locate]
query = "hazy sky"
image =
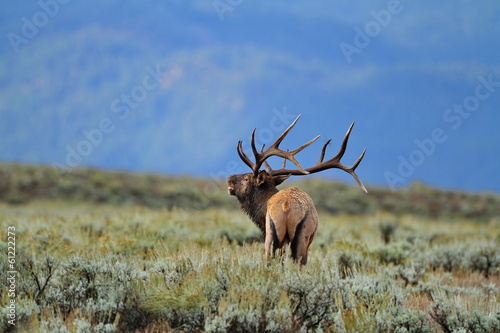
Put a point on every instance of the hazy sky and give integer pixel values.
(171, 87)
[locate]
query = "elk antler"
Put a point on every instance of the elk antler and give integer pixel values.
(273, 150)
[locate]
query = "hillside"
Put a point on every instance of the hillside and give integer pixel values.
(20, 184)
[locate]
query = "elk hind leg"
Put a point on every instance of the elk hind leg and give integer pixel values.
(272, 241)
(299, 243)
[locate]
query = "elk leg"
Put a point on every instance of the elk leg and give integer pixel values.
(272, 241)
(298, 242)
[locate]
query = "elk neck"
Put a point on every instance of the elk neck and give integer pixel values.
(255, 205)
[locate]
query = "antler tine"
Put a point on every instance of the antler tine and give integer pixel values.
(343, 146)
(307, 144)
(358, 181)
(282, 136)
(283, 164)
(355, 165)
(352, 168)
(244, 156)
(266, 165)
(323, 151)
(254, 150)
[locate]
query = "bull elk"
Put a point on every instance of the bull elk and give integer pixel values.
(285, 216)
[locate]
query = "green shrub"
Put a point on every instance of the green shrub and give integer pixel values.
(387, 230)
(408, 321)
(484, 259)
(451, 318)
(411, 274)
(348, 264)
(448, 258)
(394, 253)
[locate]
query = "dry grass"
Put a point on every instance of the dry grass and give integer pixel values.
(142, 270)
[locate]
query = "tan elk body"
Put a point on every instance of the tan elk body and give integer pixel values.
(286, 217)
(291, 219)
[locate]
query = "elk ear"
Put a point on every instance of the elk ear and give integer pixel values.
(261, 178)
(280, 179)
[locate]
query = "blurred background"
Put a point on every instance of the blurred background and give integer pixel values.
(171, 86)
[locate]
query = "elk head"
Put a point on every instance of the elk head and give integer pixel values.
(286, 216)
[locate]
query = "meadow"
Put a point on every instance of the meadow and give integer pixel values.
(100, 266)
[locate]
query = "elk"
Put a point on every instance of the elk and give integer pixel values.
(285, 216)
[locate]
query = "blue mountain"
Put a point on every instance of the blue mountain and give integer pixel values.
(170, 87)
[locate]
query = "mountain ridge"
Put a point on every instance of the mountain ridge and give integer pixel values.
(225, 78)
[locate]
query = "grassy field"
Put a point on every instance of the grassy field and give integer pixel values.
(114, 252)
(102, 268)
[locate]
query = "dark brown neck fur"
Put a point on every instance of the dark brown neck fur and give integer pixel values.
(255, 205)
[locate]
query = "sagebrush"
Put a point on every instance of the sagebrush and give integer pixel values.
(87, 268)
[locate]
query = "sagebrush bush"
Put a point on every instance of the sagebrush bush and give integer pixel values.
(395, 253)
(348, 264)
(448, 258)
(452, 318)
(411, 274)
(407, 321)
(387, 230)
(484, 259)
